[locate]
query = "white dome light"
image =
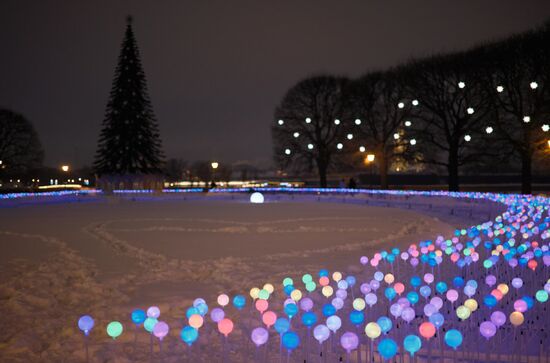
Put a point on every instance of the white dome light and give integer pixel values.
(337, 122)
(408, 123)
(357, 121)
(308, 120)
(339, 146)
(533, 85)
(413, 141)
(489, 130)
(256, 198)
(296, 134)
(500, 89)
(396, 136)
(362, 149)
(310, 146)
(470, 110)
(526, 119)
(467, 138)
(287, 151)
(545, 128)
(415, 102)
(461, 84)
(400, 105)
(349, 136)
(280, 122)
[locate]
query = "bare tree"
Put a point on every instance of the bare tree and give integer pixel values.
(20, 147)
(452, 113)
(378, 114)
(518, 76)
(306, 131)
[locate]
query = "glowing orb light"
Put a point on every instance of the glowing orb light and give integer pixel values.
(261, 305)
(453, 338)
(161, 329)
(86, 323)
(217, 315)
(372, 330)
(334, 323)
(356, 317)
(408, 314)
(223, 300)
(487, 329)
(291, 310)
(254, 293)
(153, 312)
(412, 344)
(384, 323)
(239, 301)
(282, 325)
(306, 304)
(225, 326)
(349, 341)
(259, 336)
(256, 198)
(138, 316)
(149, 324)
(321, 333)
(309, 319)
(290, 340)
(269, 318)
(516, 318)
(387, 348)
(114, 329)
(195, 321)
(541, 296)
(359, 304)
(463, 312)
(498, 318)
(427, 330)
(189, 335)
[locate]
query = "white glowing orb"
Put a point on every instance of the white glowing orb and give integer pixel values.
(362, 149)
(400, 105)
(310, 146)
(296, 134)
(349, 136)
(287, 151)
(526, 119)
(533, 85)
(415, 102)
(357, 121)
(500, 89)
(461, 84)
(545, 128)
(256, 198)
(281, 122)
(489, 130)
(339, 146)
(413, 141)
(337, 122)
(470, 110)
(408, 123)
(396, 136)
(308, 120)
(467, 138)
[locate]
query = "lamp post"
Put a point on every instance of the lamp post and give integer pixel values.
(369, 161)
(214, 166)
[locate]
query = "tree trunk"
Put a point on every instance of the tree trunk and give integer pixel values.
(452, 168)
(526, 177)
(322, 169)
(383, 170)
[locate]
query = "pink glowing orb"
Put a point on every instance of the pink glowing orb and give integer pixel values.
(269, 318)
(161, 330)
(225, 326)
(261, 305)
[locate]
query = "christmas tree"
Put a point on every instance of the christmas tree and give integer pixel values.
(129, 142)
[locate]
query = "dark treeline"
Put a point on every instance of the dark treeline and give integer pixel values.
(486, 109)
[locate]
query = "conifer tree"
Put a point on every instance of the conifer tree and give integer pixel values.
(129, 142)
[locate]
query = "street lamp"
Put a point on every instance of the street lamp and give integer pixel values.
(369, 161)
(65, 168)
(215, 165)
(369, 158)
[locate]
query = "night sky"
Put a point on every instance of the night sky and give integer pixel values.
(217, 69)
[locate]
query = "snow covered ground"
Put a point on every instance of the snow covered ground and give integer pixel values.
(63, 257)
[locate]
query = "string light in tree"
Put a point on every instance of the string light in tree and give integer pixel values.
(489, 130)
(357, 121)
(467, 138)
(310, 146)
(281, 122)
(526, 119)
(545, 127)
(339, 146)
(337, 122)
(461, 85)
(396, 136)
(400, 105)
(296, 134)
(362, 149)
(500, 89)
(470, 110)
(408, 123)
(287, 151)
(415, 102)
(413, 142)
(349, 136)
(533, 85)
(308, 120)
